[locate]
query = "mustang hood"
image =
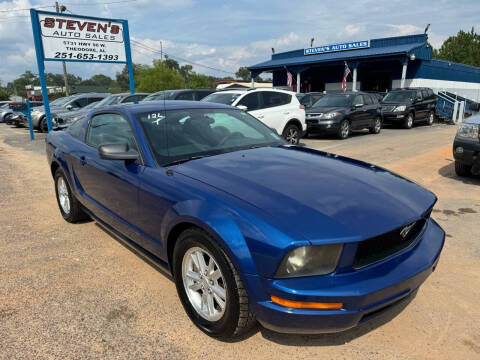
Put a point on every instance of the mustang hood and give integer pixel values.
(318, 195)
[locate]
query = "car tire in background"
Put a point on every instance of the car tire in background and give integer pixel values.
(69, 206)
(431, 118)
(408, 122)
(42, 125)
(377, 126)
(203, 273)
(462, 169)
(291, 133)
(344, 129)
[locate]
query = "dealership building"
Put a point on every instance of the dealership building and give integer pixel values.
(376, 65)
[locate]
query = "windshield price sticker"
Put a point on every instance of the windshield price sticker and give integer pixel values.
(84, 39)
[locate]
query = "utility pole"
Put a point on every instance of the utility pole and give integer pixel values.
(161, 51)
(64, 66)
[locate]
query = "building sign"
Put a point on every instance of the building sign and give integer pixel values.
(72, 38)
(337, 47)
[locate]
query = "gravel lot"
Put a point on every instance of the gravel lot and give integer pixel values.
(74, 291)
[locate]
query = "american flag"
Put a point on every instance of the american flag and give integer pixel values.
(345, 75)
(289, 79)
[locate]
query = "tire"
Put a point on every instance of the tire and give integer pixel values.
(291, 133)
(344, 130)
(235, 319)
(430, 118)
(377, 126)
(72, 210)
(461, 169)
(42, 125)
(408, 123)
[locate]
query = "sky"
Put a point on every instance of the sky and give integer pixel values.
(225, 35)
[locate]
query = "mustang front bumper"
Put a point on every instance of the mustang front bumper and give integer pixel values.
(364, 292)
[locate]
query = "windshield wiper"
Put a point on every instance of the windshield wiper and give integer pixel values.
(181, 161)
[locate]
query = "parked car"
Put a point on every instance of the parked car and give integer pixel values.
(308, 99)
(278, 109)
(181, 94)
(62, 105)
(249, 227)
(408, 106)
(9, 110)
(466, 147)
(124, 98)
(341, 113)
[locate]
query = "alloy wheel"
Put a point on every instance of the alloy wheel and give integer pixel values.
(292, 136)
(378, 125)
(63, 195)
(345, 129)
(410, 121)
(204, 283)
(431, 118)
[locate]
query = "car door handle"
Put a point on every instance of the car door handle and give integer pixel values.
(83, 161)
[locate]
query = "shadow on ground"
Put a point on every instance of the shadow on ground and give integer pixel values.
(448, 171)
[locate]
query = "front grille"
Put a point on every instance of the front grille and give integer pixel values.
(312, 121)
(381, 247)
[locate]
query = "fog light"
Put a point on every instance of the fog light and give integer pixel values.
(306, 305)
(459, 150)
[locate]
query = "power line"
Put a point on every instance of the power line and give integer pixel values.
(99, 3)
(145, 47)
(36, 7)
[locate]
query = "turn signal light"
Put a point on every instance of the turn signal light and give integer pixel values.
(306, 305)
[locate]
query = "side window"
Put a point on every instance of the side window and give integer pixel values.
(129, 99)
(425, 94)
(419, 94)
(250, 101)
(81, 102)
(94, 99)
(272, 99)
(187, 95)
(110, 129)
(76, 130)
(358, 100)
(431, 94)
(199, 95)
(367, 100)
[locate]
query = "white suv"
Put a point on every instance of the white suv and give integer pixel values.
(278, 109)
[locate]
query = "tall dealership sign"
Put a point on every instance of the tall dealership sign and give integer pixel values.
(62, 37)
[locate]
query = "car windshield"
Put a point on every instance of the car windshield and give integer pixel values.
(162, 95)
(340, 100)
(399, 96)
(60, 101)
(110, 100)
(193, 133)
(221, 98)
(91, 105)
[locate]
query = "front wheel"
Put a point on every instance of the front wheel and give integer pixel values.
(408, 123)
(42, 126)
(344, 129)
(209, 287)
(430, 118)
(377, 126)
(292, 134)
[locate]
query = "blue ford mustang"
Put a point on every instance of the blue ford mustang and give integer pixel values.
(251, 228)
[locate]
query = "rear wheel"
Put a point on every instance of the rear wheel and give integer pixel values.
(69, 206)
(430, 118)
(344, 129)
(209, 287)
(377, 126)
(461, 169)
(292, 134)
(408, 123)
(42, 126)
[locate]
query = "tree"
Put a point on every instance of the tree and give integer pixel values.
(197, 81)
(4, 94)
(17, 86)
(243, 73)
(171, 64)
(463, 48)
(57, 79)
(99, 80)
(123, 81)
(159, 77)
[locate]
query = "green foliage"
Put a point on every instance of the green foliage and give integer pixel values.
(463, 48)
(197, 81)
(123, 81)
(4, 94)
(99, 80)
(159, 77)
(243, 73)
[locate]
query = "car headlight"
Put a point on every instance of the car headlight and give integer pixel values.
(468, 131)
(310, 261)
(399, 108)
(330, 115)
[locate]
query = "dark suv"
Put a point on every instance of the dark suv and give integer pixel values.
(466, 147)
(409, 105)
(183, 94)
(340, 113)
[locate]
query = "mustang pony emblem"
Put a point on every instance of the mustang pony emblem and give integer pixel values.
(406, 230)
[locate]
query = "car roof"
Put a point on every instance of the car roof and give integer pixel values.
(89, 94)
(161, 105)
(241, 91)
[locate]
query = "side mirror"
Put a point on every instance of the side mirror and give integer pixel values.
(69, 107)
(242, 107)
(358, 105)
(117, 152)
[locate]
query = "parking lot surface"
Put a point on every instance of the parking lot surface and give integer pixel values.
(74, 291)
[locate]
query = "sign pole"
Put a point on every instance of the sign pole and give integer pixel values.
(29, 117)
(128, 55)
(41, 66)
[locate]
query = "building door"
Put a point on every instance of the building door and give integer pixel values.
(376, 81)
